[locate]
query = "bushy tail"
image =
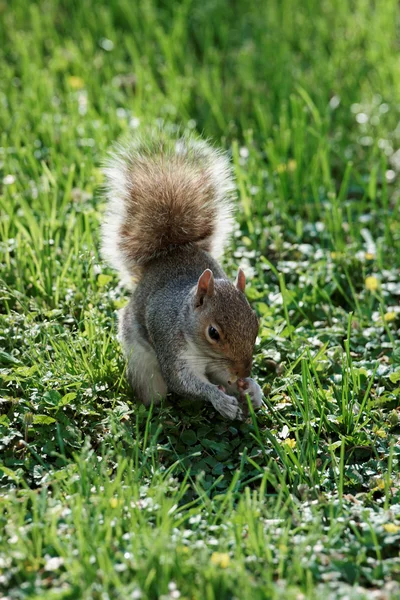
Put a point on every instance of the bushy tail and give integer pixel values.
(164, 193)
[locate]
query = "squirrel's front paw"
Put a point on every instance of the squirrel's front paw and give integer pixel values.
(251, 388)
(229, 407)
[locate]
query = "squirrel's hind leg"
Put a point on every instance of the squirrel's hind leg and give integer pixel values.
(143, 369)
(144, 375)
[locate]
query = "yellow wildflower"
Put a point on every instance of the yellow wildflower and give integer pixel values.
(113, 502)
(389, 316)
(391, 527)
(381, 433)
(290, 442)
(371, 283)
(76, 83)
(247, 241)
(369, 256)
(380, 484)
(220, 559)
(290, 166)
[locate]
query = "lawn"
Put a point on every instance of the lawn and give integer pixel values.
(103, 499)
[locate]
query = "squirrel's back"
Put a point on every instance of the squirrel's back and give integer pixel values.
(163, 194)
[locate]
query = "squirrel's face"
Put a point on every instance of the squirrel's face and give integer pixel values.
(227, 326)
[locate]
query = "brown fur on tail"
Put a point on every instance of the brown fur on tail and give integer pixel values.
(163, 194)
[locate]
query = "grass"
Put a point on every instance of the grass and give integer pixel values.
(103, 499)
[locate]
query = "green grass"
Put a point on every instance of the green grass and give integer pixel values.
(103, 499)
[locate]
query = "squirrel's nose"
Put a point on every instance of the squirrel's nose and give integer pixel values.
(244, 369)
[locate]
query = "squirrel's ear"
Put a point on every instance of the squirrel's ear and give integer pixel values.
(240, 280)
(205, 286)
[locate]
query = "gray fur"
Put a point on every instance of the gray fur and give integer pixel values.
(161, 318)
(168, 211)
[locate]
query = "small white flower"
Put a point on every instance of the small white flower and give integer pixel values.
(134, 123)
(106, 44)
(390, 175)
(284, 433)
(54, 563)
(13, 539)
(362, 118)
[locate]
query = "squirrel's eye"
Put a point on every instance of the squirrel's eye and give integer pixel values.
(213, 333)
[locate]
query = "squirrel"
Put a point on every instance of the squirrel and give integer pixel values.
(186, 329)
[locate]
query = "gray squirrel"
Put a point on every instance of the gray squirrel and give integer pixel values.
(186, 329)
